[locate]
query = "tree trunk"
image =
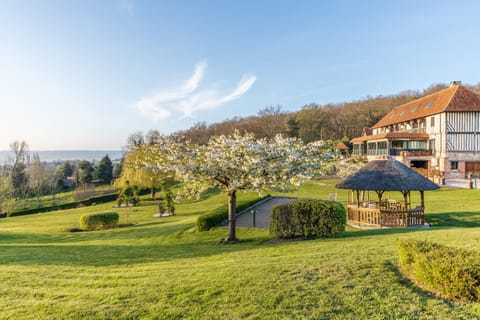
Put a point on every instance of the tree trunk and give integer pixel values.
(152, 193)
(232, 204)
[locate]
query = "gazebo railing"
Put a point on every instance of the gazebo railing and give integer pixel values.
(369, 216)
(386, 217)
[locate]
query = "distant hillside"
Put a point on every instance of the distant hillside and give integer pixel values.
(6, 156)
(341, 121)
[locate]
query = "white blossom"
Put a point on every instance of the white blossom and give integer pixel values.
(238, 162)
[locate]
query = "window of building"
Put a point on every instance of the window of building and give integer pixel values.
(382, 148)
(416, 145)
(431, 145)
(454, 165)
(398, 144)
(371, 148)
(432, 122)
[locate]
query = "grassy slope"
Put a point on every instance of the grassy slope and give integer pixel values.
(161, 269)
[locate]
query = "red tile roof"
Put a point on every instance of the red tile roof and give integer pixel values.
(454, 98)
(393, 135)
(341, 146)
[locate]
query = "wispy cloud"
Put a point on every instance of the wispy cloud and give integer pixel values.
(187, 99)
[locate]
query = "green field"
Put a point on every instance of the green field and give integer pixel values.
(163, 269)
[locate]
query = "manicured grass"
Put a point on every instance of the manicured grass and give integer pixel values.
(163, 269)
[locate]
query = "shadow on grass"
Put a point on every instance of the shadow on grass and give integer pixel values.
(151, 242)
(381, 232)
(414, 288)
(101, 255)
(454, 219)
(393, 268)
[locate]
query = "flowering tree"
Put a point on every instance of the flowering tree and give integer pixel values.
(239, 162)
(346, 167)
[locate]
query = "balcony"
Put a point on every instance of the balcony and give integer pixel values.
(410, 153)
(413, 130)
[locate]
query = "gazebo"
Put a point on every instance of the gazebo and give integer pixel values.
(385, 176)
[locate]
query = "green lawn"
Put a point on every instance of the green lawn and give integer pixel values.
(163, 269)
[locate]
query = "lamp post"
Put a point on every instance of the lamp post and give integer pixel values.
(253, 217)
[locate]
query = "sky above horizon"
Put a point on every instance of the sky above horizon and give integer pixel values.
(83, 75)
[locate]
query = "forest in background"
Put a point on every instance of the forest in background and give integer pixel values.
(339, 121)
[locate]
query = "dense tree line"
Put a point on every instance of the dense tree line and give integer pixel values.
(266, 124)
(342, 121)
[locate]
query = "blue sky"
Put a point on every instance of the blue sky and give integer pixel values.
(86, 74)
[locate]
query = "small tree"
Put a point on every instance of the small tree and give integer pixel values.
(128, 195)
(65, 170)
(6, 193)
(84, 173)
(239, 162)
(38, 177)
(169, 201)
(104, 170)
(18, 174)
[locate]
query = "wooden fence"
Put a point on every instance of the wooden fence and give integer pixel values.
(386, 218)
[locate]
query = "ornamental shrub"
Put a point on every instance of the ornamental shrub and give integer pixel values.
(453, 273)
(308, 218)
(99, 220)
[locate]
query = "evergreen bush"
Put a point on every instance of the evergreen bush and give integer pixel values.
(453, 273)
(308, 218)
(99, 220)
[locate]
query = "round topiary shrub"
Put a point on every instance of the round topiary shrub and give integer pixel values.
(308, 218)
(99, 220)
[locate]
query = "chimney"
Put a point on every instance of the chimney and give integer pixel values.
(455, 83)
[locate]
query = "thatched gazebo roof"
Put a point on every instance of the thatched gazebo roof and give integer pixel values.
(387, 175)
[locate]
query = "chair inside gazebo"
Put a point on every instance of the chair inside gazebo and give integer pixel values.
(364, 210)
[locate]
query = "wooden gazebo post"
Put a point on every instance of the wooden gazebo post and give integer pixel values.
(406, 196)
(422, 203)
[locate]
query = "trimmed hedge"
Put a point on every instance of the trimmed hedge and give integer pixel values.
(99, 220)
(450, 272)
(68, 205)
(216, 216)
(308, 218)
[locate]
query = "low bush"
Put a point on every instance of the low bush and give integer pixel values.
(99, 220)
(216, 216)
(308, 218)
(450, 272)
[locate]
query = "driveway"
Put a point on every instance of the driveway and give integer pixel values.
(262, 213)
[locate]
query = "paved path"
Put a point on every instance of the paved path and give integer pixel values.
(262, 213)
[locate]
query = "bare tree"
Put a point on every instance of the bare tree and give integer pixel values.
(37, 177)
(18, 173)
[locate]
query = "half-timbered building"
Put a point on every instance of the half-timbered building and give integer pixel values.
(438, 133)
